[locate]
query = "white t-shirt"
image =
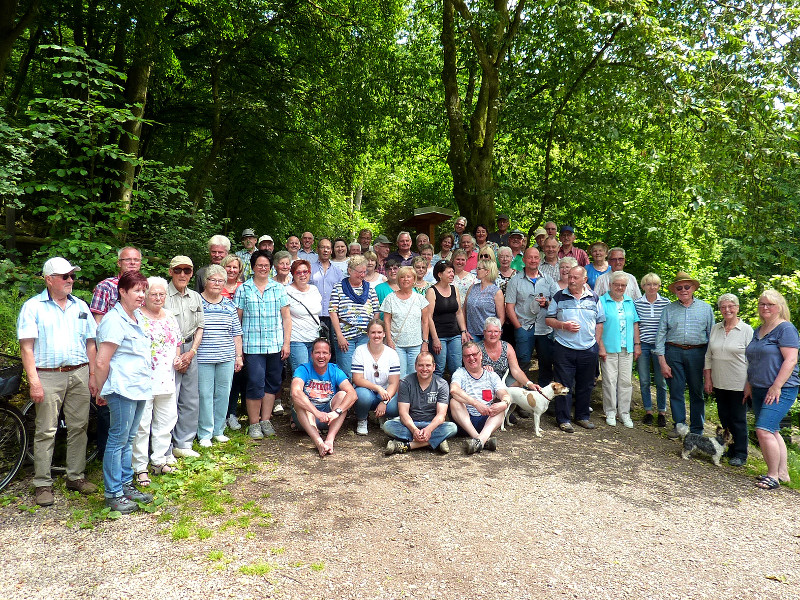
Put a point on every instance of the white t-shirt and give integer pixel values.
(305, 328)
(388, 363)
(484, 388)
(406, 318)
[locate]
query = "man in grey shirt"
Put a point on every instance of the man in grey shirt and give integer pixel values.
(422, 401)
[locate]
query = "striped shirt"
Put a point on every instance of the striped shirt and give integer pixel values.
(483, 389)
(552, 271)
(59, 336)
(262, 323)
(690, 325)
(353, 317)
(649, 317)
(602, 285)
(105, 295)
(222, 325)
(587, 311)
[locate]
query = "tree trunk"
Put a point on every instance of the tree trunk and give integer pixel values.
(22, 73)
(10, 30)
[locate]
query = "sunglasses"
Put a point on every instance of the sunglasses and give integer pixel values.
(375, 368)
(69, 276)
(485, 256)
(680, 288)
(184, 270)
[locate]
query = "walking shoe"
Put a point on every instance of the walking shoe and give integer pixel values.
(267, 429)
(277, 410)
(204, 443)
(122, 504)
(474, 445)
(185, 453)
(444, 447)
(673, 434)
(566, 427)
(44, 495)
(254, 431)
(170, 460)
(131, 493)
(737, 461)
(648, 419)
(221, 438)
(627, 421)
(361, 428)
(233, 423)
(81, 485)
(611, 420)
(396, 447)
(662, 420)
(586, 424)
(491, 444)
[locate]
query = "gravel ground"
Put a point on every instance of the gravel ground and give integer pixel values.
(609, 513)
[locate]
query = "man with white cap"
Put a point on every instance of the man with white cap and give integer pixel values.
(56, 335)
(249, 243)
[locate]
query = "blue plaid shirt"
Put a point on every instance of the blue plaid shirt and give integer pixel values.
(262, 324)
(686, 325)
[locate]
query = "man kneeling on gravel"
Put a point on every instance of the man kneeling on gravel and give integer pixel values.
(422, 402)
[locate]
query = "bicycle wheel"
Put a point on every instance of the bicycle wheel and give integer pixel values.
(59, 462)
(13, 443)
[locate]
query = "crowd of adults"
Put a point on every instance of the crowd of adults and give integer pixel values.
(430, 341)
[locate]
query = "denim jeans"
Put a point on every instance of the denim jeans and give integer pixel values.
(395, 428)
(526, 340)
(214, 386)
(733, 416)
(407, 354)
(575, 369)
(450, 355)
(687, 370)
(300, 354)
(544, 353)
(118, 459)
(368, 400)
(646, 359)
(769, 416)
(344, 359)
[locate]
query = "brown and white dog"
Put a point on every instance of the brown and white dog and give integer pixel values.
(533, 401)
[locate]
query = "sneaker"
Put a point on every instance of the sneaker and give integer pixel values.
(662, 420)
(233, 423)
(122, 504)
(205, 443)
(611, 420)
(185, 453)
(673, 434)
(396, 447)
(221, 438)
(131, 493)
(444, 447)
(276, 410)
(81, 485)
(474, 445)
(491, 444)
(586, 424)
(627, 421)
(267, 429)
(566, 427)
(44, 495)
(254, 431)
(648, 419)
(361, 428)
(170, 460)
(737, 461)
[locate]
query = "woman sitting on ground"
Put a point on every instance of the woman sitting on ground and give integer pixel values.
(376, 377)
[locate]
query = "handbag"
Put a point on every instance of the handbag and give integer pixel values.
(322, 330)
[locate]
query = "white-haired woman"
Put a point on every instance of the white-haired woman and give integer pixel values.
(283, 267)
(725, 374)
(500, 356)
(504, 271)
(484, 299)
(649, 308)
(564, 266)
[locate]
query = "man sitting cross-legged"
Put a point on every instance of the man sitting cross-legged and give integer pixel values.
(321, 394)
(474, 390)
(422, 403)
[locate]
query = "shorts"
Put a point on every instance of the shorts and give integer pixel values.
(325, 407)
(477, 422)
(264, 374)
(769, 416)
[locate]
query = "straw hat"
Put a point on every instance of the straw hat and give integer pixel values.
(680, 277)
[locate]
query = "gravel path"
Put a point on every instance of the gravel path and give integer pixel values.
(609, 513)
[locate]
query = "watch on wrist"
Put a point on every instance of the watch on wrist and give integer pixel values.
(338, 411)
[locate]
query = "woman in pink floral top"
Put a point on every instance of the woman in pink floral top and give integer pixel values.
(161, 411)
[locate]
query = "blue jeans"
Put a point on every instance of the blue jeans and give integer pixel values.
(525, 341)
(769, 416)
(687, 370)
(544, 352)
(214, 385)
(300, 354)
(576, 370)
(118, 458)
(450, 355)
(407, 354)
(368, 400)
(344, 360)
(395, 428)
(643, 366)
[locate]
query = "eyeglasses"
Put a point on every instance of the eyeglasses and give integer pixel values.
(472, 355)
(184, 270)
(681, 288)
(766, 305)
(616, 259)
(157, 295)
(485, 256)
(130, 260)
(375, 368)
(215, 281)
(68, 276)
(303, 272)
(262, 267)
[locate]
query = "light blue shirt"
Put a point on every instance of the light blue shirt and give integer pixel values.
(614, 327)
(312, 257)
(130, 372)
(325, 282)
(586, 310)
(262, 322)
(686, 325)
(59, 336)
(521, 291)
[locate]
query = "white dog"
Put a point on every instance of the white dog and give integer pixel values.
(537, 402)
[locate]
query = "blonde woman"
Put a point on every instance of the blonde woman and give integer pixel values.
(406, 316)
(483, 300)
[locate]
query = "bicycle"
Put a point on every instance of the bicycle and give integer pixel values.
(13, 435)
(59, 462)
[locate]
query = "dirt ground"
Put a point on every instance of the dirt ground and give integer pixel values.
(608, 513)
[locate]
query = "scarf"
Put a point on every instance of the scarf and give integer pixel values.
(350, 292)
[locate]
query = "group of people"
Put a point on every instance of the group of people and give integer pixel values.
(379, 330)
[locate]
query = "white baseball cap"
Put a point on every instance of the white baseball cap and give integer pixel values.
(58, 266)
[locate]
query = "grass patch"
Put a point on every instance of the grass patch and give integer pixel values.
(260, 568)
(318, 566)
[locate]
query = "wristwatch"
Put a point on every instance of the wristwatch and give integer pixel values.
(338, 411)
(386, 402)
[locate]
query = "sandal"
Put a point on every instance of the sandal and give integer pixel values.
(161, 469)
(142, 478)
(768, 483)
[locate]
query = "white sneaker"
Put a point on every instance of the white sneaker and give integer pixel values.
(277, 409)
(205, 443)
(233, 423)
(254, 431)
(611, 420)
(221, 438)
(267, 429)
(627, 421)
(185, 453)
(361, 428)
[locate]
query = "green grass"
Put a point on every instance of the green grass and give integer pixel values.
(259, 568)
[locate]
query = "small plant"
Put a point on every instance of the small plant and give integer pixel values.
(216, 555)
(318, 566)
(257, 568)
